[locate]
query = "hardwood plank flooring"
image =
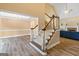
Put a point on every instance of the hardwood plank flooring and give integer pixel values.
(67, 47)
(17, 46)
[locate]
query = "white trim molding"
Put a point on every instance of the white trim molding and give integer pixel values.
(13, 36)
(41, 52)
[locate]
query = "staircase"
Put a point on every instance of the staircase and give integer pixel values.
(49, 36)
(46, 38)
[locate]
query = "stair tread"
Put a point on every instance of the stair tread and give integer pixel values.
(36, 44)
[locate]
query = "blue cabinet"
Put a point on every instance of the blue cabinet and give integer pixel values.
(71, 35)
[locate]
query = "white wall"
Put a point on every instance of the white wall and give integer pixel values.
(69, 22)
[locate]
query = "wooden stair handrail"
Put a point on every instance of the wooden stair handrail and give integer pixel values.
(53, 16)
(34, 27)
(47, 15)
(48, 22)
(53, 33)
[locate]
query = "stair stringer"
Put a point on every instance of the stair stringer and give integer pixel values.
(54, 40)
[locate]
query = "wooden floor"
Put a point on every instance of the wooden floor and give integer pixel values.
(67, 47)
(19, 46)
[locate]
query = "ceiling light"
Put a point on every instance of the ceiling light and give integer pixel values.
(66, 11)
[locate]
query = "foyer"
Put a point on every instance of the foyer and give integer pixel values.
(39, 29)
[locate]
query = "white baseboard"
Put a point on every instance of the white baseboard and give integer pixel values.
(53, 45)
(43, 53)
(13, 36)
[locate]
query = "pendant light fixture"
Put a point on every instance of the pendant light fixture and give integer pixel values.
(67, 9)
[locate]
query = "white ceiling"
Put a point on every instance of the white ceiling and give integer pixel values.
(60, 8)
